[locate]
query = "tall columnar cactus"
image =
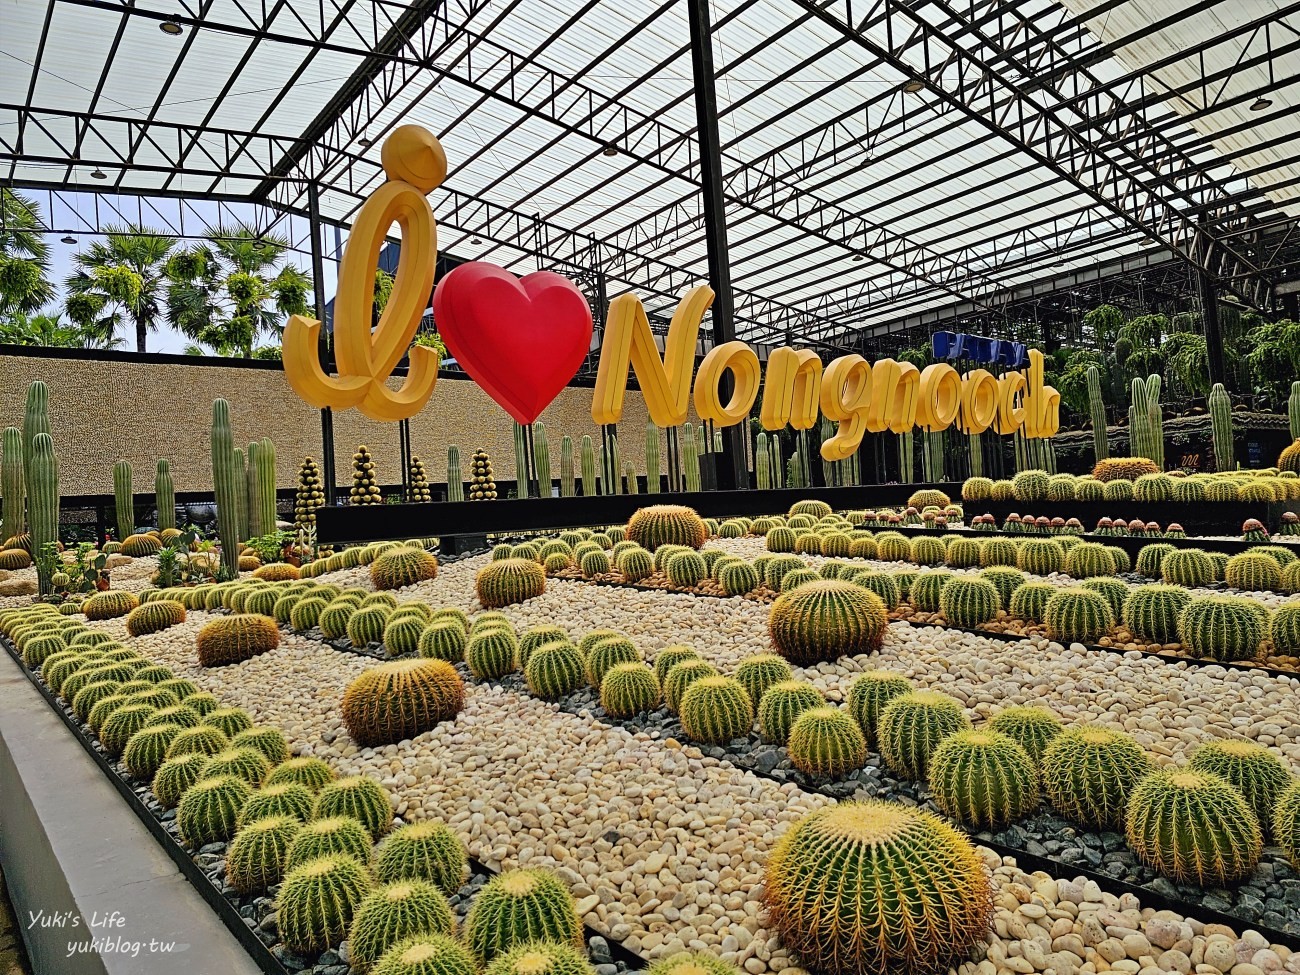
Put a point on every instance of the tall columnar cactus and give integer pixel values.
(1221, 428)
(611, 468)
(588, 468)
(1155, 423)
(1097, 409)
(12, 483)
(521, 460)
(906, 458)
(265, 498)
(43, 499)
(1293, 410)
(762, 463)
(36, 420)
(976, 454)
(629, 471)
(164, 492)
(777, 463)
(455, 479)
(123, 498)
(542, 460)
(226, 486)
(652, 467)
(690, 458)
(252, 490)
(568, 488)
(1139, 434)
(241, 493)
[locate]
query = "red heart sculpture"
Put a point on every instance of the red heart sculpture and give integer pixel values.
(520, 339)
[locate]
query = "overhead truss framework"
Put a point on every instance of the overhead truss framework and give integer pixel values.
(881, 158)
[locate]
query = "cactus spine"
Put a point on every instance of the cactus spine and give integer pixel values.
(43, 499)
(762, 463)
(542, 460)
(455, 480)
(164, 496)
(690, 457)
(588, 468)
(226, 487)
(123, 498)
(12, 483)
(1101, 447)
(568, 488)
(652, 469)
(1221, 428)
(1293, 410)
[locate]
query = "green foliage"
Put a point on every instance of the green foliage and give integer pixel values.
(856, 887)
(1089, 773)
(983, 779)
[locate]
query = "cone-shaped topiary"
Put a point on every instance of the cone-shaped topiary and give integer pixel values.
(509, 581)
(364, 799)
(541, 958)
(1077, 615)
(153, 616)
(1089, 773)
(629, 689)
(109, 605)
(286, 799)
(314, 773)
(826, 742)
(317, 902)
(782, 704)
(912, 725)
(606, 653)
(554, 670)
(519, 907)
(209, 809)
(401, 567)
(983, 779)
(146, 750)
(426, 850)
(759, 672)
(714, 710)
(1151, 612)
(1029, 602)
(243, 763)
(1253, 572)
(234, 639)
(666, 524)
(401, 699)
(1194, 827)
(1032, 728)
(1261, 776)
(445, 640)
(403, 909)
(329, 836)
(1223, 628)
(256, 857)
(827, 619)
(855, 888)
(969, 601)
(1040, 556)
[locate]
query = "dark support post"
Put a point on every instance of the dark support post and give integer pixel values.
(404, 449)
(1210, 322)
(318, 285)
(732, 472)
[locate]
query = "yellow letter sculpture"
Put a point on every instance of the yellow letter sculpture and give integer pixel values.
(743, 363)
(415, 164)
(665, 383)
(979, 401)
(791, 389)
(846, 400)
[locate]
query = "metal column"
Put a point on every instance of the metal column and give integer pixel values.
(1209, 296)
(732, 472)
(318, 284)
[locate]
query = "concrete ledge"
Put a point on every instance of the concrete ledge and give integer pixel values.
(78, 859)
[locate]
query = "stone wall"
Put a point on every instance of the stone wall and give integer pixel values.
(107, 408)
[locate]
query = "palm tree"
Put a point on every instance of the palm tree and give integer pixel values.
(119, 280)
(49, 331)
(231, 290)
(24, 255)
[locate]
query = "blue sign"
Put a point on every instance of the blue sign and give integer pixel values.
(981, 350)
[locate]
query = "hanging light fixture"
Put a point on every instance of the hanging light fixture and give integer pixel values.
(913, 85)
(1261, 103)
(171, 27)
(857, 258)
(365, 140)
(609, 150)
(475, 240)
(98, 174)
(68, 239)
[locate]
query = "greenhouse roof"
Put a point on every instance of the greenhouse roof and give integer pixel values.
(880, 159)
